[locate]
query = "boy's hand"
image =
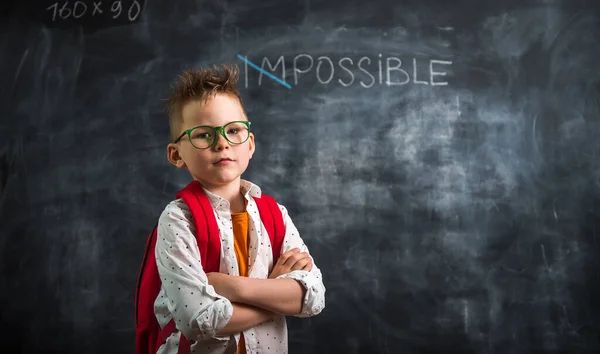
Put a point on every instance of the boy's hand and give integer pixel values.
(291, 260)
(225, 285)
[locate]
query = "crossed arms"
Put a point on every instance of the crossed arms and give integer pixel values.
(257, 300)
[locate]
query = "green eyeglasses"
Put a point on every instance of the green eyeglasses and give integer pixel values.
(204, 136)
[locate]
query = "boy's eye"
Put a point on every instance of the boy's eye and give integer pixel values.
(201, 134)
(234, 128)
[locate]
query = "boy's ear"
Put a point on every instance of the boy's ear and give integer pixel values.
(251, 144)
(174, 157)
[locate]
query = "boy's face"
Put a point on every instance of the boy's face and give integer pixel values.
(223, 163)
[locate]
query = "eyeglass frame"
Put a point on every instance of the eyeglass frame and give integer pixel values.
(217, 130)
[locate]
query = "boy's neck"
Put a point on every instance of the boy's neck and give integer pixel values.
(232, 194)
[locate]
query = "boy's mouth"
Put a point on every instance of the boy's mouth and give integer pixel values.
(223, 161)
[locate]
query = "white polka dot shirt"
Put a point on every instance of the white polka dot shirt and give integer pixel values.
(198, 310)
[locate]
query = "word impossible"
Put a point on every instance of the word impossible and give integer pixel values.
(347, 71)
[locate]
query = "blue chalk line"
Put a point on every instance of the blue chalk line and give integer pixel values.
(264, 72)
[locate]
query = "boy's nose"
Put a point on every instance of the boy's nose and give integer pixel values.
(221, 143)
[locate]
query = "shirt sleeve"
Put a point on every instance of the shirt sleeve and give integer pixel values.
(314, 298)
(198, 311)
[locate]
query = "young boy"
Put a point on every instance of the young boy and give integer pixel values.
(242, 308)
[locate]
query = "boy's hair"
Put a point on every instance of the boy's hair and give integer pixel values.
(200, 84)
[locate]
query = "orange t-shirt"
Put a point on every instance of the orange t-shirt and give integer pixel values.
(240, 245)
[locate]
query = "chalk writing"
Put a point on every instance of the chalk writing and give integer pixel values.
(75, 10)
(262, 72)
(347, 71)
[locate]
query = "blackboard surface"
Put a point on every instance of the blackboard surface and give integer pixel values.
(441, 158)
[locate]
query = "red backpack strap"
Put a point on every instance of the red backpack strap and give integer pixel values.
(207, 238)
(271, 217)
(146, 290)
(207, 229)
(143, 274)
(149, 335)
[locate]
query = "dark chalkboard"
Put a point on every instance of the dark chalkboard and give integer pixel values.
(441, 159)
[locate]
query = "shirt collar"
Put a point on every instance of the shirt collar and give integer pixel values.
(247, 188)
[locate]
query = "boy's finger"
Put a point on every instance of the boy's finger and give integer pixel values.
(289, 253)
(299, 256)
(293, 259)
(300, 264)
(287, 256)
